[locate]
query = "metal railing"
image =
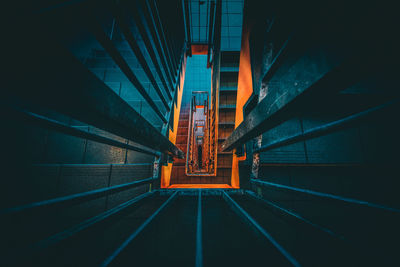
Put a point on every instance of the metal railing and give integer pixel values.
(76, 85)
(97, 220)
(199, 98)
(253, 223)
(132, 236)
(214, 53)
(295, 78)
(327, 128)
(74, 199)
(48, 123)
(233, 199)
(324, 195)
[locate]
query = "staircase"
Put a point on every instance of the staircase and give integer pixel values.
(178, 175)
(226, 123)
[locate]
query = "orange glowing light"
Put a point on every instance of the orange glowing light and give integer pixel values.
(199, 49)
(200, 186)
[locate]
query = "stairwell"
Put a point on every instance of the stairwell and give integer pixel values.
(178, 175)
(92, 135)
(226, 123)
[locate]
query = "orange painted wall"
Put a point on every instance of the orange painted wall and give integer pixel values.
(244, 91)
(199, 49)
(166, 170)
(200, 186)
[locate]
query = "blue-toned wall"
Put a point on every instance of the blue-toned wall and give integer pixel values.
(48, 164)
(197, 77)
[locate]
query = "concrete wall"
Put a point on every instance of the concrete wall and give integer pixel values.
(43, 164)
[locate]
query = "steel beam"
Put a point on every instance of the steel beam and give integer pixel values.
(326, 128)
(108, 45)
(63, 84)
(246, 217)
(116, 252)
(42, 121)
(327, 80)
(323, 195)
(75, 198)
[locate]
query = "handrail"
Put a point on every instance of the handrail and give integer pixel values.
(107, 44)
(324, 195)
(66, 129)
(146, 39)
(268, 114)
(189, 141)
(122, 22)
(94, 102)
(156, 36)
(175, 94)
(326, 128)
(100, 218)
(163, 39)
(206, 137)
(116, 252)
(242, 213)
(215, 67)
(75, 198)
(292, 214)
